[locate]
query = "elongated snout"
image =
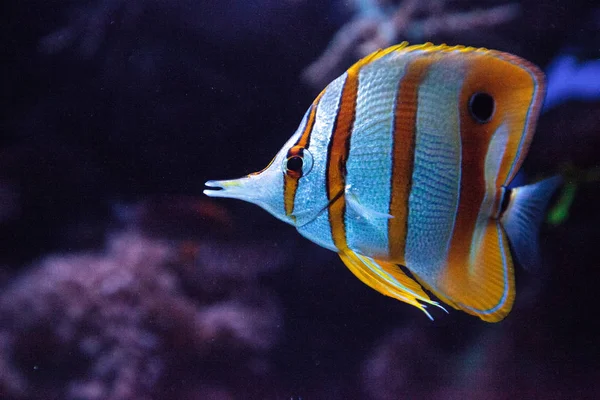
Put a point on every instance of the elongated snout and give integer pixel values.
(243, 189)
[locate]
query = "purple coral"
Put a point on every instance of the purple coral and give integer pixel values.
(119, 325)
(378, 24)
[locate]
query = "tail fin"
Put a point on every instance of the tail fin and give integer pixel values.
(523, 217)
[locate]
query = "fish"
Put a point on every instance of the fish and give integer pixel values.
(402, 166)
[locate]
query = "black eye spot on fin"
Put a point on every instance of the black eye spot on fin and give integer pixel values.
(482, 107)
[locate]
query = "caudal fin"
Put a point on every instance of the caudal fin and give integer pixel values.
(523, 217)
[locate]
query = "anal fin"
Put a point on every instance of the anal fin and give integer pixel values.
(388, 279)
(483, 285)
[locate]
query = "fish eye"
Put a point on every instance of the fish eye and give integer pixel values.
(294, 164)
(299, 162)
(481, 107)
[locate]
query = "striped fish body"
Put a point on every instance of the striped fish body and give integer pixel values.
(405, 160)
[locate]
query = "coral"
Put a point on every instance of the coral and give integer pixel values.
(124, 325)
(377, 24)
(399, 364)
(569, 79)
(520, 358)
(91, 23)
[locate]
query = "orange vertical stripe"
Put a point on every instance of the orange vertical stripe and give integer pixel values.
(290, 183)
(475, 139)
(405, 117)
(337, 155)
(290, 187)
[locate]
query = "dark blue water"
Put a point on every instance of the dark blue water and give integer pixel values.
(120, 280)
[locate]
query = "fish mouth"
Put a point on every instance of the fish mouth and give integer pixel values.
(217, 187)
(249, 188)
(232, 188)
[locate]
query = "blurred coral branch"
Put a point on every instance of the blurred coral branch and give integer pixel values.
(121, 324)
(88, 25)
(376, 26)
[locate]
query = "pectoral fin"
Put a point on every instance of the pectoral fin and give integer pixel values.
(388, 279)
(484, 286)
(370, 215)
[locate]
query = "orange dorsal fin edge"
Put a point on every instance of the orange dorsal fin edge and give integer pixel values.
(404, 47)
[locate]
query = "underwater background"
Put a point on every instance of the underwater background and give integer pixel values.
(120, 280)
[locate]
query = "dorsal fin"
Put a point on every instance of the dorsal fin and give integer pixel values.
(428, 47)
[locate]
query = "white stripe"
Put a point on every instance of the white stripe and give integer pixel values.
(493, 162)
(369, 164)
(434, 197)
(311, 196)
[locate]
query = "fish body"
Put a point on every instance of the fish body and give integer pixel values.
(405, 159)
